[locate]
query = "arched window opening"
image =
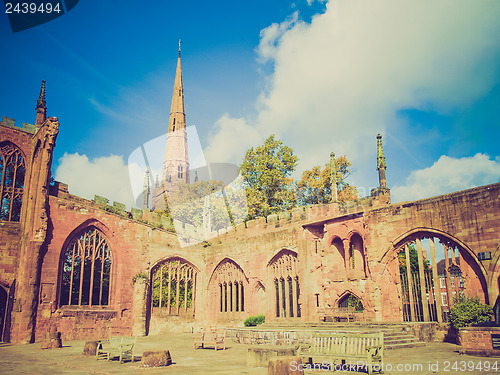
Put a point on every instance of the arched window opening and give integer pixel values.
(173, 286)
(86, 270)
(12, 172)
(287, 288)
(180, 171)
(230, 278)
(350, 300)
(435, 273)
(356, 256)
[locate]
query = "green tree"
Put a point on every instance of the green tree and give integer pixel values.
(315, 187)
(266, 172)
(470, 311)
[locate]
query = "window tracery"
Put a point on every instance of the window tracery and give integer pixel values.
(12, 173)
(86, 270)
(231, 280)
(286, 282)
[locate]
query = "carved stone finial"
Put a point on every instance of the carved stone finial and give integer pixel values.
(41, 107)
(381, 166)
(333, 177)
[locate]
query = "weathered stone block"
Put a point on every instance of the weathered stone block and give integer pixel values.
(259, 356)
(90, 348)
(285, 366)
(156, 358)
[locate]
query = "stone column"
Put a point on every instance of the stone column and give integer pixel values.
(423, 293)
(295, 296)
(410, 280)
(139, 307)
(449, 296)
(437, 286)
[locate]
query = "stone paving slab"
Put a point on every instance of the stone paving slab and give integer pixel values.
(434, 358)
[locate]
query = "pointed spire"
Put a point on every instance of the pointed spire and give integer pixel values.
(176, 161)
(381, 166)
(177, 115)
(146, 191)
(333, 177)
(41, 107)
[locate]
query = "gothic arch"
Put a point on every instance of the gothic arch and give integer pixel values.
(86, 268)
(433, 274)
(172, 286)
(345, 295)
(228, 287)
(12, 179)
(283, 273)
(282, 252)
(494, 277)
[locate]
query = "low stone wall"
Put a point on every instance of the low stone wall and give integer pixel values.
(478, 341)
(429, 331)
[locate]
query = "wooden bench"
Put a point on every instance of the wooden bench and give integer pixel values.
(336, 313)
(211, 338)
(122, 347)
(365, 347)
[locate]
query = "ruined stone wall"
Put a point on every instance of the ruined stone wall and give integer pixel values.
(130, 244)
(10, 238)
(471, 218)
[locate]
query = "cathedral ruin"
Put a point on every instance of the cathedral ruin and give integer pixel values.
(91, 272)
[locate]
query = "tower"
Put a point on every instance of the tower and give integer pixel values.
(175, 168)
(176, 162)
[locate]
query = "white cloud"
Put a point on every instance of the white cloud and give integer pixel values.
(230, 139)
(448, 175)
(106, 176)
(339, 80)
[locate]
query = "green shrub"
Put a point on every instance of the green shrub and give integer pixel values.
(469, 311)
(252, 321)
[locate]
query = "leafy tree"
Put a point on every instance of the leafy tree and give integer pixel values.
(315, 186)
(413, 261)
(469, 311)
(266, 172)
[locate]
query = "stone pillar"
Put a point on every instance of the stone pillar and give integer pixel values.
(287, 296)
(423, 293)
(295, 296)
(280, 296)
(449, 296)
(410, 280)
(437, 286)
(139, 307)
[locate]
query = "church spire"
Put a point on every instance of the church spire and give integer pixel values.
(381, 166)
(146, 191)
(176, 162)
(177, 115)
(41, 107)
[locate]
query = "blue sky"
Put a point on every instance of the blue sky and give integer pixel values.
(323, 76)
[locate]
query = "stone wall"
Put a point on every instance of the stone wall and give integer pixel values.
(10, 237)
(478, 341)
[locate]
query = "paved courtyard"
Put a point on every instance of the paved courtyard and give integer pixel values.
(434, 358)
